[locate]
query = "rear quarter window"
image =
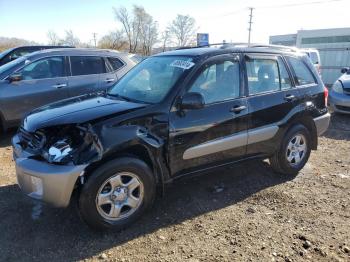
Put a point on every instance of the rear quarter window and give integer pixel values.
(302, 73)
(115, 63)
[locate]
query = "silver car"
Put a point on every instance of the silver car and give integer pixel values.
(339, 95)
(47, 76)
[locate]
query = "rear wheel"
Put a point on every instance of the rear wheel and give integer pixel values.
(294, 151)
(117, 193)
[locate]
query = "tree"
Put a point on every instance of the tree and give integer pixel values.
(70, 39)
(183, 29)
(114, 40)
(53, 38)
(139, 27)
(166, 37)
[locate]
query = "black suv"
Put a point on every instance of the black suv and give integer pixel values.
(175, 114)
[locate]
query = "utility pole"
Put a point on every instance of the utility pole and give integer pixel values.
(250, 23)
(94, 34)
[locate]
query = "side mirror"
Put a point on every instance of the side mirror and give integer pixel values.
(192, 100)
(344, 70)
(15, 77)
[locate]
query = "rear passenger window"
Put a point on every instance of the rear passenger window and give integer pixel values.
(285, 80)
(303, 75)
(263, 75)
(115, 63)
(87, 65)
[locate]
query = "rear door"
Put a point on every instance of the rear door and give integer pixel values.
(85, 74)
(217, 133)
(272, 97)
(43, 81)
(108, 79)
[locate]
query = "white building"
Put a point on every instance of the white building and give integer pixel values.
(333, 45)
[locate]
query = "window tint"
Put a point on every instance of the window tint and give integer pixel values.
(285, 80)
(218, 82)
(45, 68)
(303, 75)
(87, 65)
(263, 75)
(115, 63)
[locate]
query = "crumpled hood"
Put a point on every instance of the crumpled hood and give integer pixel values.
(345, 79)
(77, 110)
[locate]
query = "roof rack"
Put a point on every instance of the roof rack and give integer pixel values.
(225, 45)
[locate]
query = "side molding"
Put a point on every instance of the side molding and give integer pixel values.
(232, 141)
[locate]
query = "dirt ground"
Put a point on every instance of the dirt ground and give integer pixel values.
(244, 213)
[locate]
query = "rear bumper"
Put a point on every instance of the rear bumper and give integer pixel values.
(40, 180)
(322, 123)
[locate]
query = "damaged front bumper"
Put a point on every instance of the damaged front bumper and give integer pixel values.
(50, 183)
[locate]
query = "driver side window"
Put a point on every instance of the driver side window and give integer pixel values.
(218, 82)
(45, 68)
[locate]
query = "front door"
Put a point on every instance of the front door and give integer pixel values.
(216, 133)
(43, 81)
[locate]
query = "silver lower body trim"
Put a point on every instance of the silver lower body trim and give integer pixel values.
(230, 142)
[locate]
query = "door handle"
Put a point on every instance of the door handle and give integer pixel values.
(237, 109)
(109, 80)
(289, 98)
(59, 85)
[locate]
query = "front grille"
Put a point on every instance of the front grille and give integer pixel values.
(343, 108)
(31, 140)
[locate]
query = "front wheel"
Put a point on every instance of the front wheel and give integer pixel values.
(117, 194)
(294, 151)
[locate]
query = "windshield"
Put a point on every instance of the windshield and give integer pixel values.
(11, 64)
(152, 79)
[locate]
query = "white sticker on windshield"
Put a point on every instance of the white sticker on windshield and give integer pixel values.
(182, 64)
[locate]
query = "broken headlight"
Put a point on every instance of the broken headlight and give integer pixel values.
(59, 152)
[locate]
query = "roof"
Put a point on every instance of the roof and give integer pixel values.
(228, 48)
(76, 51)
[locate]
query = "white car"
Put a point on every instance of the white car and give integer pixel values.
(314, 56)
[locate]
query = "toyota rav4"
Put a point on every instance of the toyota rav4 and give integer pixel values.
(175, 114)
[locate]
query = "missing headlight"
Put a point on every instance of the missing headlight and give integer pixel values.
(59, 151)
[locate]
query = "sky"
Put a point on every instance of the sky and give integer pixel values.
(222, 19)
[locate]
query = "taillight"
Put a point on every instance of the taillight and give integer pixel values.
(325, 96)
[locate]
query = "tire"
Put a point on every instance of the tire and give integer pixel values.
(279, 161)
(117, 194)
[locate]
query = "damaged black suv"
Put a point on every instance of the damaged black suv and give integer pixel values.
(175, 114)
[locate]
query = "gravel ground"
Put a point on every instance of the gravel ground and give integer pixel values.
(244, 213)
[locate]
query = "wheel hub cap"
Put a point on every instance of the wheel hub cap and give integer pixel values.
(119, 196)
(296, 149)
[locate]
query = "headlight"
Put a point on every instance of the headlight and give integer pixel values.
(59, 152)
(337, 87)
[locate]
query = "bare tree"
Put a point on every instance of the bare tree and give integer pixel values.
(70, 39)
(183, 29)
(114, 40)
(53, 38)
(139, 27)
(165, 38)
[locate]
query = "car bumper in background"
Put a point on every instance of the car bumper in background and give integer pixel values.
(49, 183)
(339, 102)
(322, 123)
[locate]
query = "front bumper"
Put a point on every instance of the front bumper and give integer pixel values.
(47, 182)
(339, 102)
(322, 123)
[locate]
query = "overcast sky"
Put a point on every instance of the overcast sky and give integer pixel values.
(222, 19)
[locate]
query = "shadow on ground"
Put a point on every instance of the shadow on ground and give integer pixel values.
(30, 231)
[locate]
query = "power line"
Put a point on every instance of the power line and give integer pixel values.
(250, 23)
(299, 4)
